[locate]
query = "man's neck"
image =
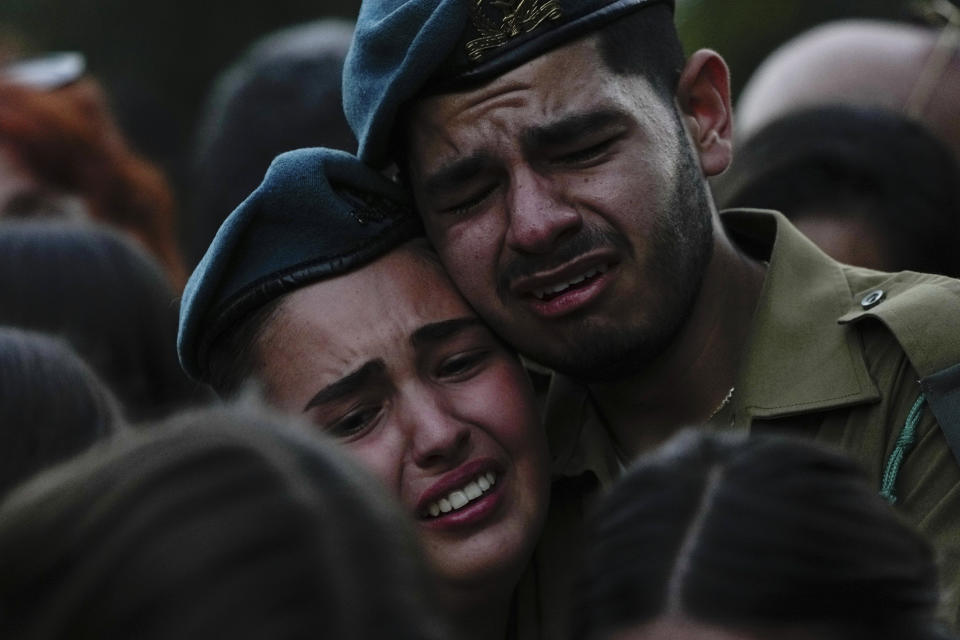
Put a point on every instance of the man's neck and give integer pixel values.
(692, 379)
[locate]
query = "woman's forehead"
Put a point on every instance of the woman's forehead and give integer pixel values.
(374, 307)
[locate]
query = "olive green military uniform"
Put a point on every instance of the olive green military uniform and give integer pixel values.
(836, 354)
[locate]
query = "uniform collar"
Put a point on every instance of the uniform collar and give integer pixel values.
(798, 357)
(579, 440)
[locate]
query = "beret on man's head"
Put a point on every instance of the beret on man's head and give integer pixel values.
(401, 47)
(318, 213)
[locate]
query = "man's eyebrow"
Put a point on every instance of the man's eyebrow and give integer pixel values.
(348, 384)
(439, 331)
(570, 127)
(455, 173)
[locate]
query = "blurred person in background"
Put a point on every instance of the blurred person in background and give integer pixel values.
(218, 524)
(907, 68)
(283, 93)
(725, 537)
(63, 154)
(869, 186)
(102, 293)
(52, 406)
(321, 288)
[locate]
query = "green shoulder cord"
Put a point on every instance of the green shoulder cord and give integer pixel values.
(904, 443)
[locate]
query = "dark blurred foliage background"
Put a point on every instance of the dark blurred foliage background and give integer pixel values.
(157, 59)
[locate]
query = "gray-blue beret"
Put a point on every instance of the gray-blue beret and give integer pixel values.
(401, 46)
(318, 213)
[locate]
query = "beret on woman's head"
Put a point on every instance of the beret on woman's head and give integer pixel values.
(401, 47)
(318, 213)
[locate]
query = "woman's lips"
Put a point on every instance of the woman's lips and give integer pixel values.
(463, 497)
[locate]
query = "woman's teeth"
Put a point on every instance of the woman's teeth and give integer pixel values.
(559, 288)
(459, 498)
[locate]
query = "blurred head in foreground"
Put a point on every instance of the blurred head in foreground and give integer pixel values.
(52, 406)
(733, 538)
(217, 524)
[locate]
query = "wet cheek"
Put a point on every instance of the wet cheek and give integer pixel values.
(510, 411)
(470, 242)
(470, 267)
(382, 459)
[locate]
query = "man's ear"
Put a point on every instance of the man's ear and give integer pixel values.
(703, 96)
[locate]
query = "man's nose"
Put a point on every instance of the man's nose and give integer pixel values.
(539, 213)
(438, 437)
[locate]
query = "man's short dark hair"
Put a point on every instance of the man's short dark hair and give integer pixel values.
(645, 43)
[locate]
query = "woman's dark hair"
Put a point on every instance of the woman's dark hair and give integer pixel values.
(217, 524)
(107, 298)
(234, 360)
(755, 533)
(52, 406)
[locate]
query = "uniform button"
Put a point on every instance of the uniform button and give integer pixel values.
(872, 299)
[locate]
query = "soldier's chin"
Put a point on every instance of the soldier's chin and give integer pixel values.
(606, 358)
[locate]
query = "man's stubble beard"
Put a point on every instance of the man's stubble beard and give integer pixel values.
(680, 249)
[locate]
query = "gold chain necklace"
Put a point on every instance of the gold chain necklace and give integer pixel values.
(726, 400)
(621, 456)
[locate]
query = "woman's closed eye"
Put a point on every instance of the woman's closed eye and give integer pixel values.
(354, 423)
(462, 365)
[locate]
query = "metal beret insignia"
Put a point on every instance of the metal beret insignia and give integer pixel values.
(370, 207)
(498, 21)
(403, 49)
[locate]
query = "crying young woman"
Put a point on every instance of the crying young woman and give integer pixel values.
(320, 287)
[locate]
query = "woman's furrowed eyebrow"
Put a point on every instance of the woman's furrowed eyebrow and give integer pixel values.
(350, 383)
(435, 332)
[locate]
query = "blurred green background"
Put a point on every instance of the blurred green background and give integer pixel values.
(157, 59)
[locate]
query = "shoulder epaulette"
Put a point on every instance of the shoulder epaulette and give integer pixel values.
(923, 313)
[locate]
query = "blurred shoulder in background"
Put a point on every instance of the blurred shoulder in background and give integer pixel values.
(869, 186)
